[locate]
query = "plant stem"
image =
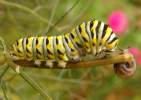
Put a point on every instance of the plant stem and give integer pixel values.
(7, 3)
(5, 70)
(34, 84)
(125, 57)
(3, 86)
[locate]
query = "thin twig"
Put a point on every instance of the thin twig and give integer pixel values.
(3, 44)
(31, 82)
(65, 14)
(80, 14)
(58, 79)
(76, 18)
(3, 86)
(34, 84)
(5, 70)
(27, 10)
(52, 15)
(3, 52)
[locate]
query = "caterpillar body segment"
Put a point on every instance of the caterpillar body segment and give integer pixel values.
(92, 37)
(71, 50)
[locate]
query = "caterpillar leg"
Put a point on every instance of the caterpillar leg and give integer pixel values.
(49, 63)
(37, 63)
(13, 56)
(62, 64)
(110, 53)
(75, 59)
(17, 69)
(30, 34)
(114, 52)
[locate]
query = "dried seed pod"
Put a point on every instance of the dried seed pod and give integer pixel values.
(125, 69)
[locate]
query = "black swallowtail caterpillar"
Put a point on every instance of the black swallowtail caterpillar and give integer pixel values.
(92, 37)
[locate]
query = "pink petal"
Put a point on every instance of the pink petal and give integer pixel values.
(118, 21)
(138, 60)
(134, 51)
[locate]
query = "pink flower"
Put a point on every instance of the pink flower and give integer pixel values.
(138, 60)
(137, 54)
(118, 21)
(134, 51)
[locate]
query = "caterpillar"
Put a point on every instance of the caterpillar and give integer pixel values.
(89, 38)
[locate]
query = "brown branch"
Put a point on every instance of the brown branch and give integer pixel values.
(125, 57)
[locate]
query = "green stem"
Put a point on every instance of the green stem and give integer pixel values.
(5, 70)
(27, 10)
(3, 86)
(3, 44)
(34, 85)
(65, 14)
(52, 15)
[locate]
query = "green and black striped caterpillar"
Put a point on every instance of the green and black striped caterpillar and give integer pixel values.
(92, 37)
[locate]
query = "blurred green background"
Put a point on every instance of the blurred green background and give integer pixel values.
(20, 18)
